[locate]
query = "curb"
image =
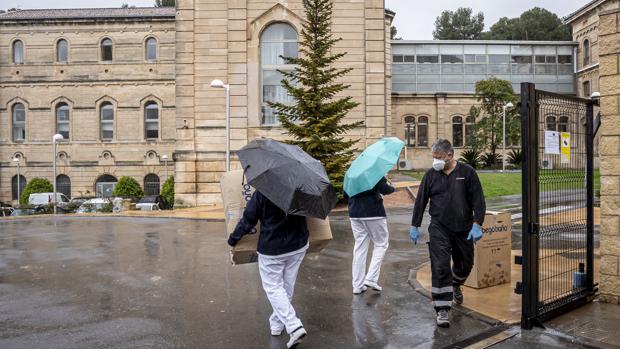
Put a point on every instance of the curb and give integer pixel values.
(37, 217)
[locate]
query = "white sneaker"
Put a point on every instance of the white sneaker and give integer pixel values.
(296, 337)
(375, 286)
(360, 290)
(276, 333)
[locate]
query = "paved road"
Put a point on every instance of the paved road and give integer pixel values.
(159, 283)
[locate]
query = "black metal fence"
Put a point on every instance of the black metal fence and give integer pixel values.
(558, 222)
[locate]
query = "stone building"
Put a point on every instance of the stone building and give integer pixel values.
(239, 42)
(585, 28)
(433, 85)
(102, 78)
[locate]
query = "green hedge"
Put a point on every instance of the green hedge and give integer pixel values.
(128, 188)
(167, 191)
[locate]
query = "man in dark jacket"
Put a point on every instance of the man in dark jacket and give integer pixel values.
(457, 213)
(282, 245)
(369, 222)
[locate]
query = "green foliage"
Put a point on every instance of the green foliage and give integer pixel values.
(491, 160)
(461, 24)
(167, 191)
(108, 207)
(315, 118)
(534, 24)
(128, 188)
(515, 157)
(493, 94)
(36, 185)
(471, 157)
(165, 3)
(393, 33)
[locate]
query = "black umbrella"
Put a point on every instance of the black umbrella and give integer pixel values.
(289, 177)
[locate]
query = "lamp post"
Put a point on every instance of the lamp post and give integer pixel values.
(508, 105)
(55, 139)
(221, 84)
(17, 160)
(165, 158)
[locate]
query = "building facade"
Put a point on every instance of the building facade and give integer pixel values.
(102, 78)
(433, 85)
(240, 42)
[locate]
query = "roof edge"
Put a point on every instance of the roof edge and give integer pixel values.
(479, 42)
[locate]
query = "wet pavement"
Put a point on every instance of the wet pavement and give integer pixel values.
(165, 283)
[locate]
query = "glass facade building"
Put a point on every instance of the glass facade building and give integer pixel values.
(438, 66)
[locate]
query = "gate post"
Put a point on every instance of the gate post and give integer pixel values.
(590, 196)
(529, 144)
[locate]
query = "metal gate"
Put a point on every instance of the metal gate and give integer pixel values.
(558, 197)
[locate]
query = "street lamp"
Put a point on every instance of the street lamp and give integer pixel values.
(17, 160)
(508, 105)
(57, 137)
(165, 158)
(220, 84)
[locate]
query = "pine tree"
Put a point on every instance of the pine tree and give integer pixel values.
(315, 118)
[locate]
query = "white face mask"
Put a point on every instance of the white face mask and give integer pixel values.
(438, 164)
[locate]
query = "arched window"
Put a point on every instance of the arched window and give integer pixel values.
(63, 123)
(18, 52)
(151, 184)
(423, 131)
(151, 49)
(457, 131)
(151, 120)
(105, 186)
(586, 52)
(19, 122)
(63, 184)
(278, 39)
(106, 49)
(106, 119)
(470, 129)
(550, 121)
(563, 124)
(410, 130)
(17, 187)
(62, 51)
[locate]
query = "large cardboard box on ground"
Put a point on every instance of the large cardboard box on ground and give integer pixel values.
(235, 195)
(492, 260)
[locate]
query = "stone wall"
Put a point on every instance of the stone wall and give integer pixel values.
(609, 50)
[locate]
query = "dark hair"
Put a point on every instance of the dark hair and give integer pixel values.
(443, 146)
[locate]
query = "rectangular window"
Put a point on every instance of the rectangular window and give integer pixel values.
(565, 59)
(152, 123)
(106, 53)
(451, 58)
(428, 59)
(495, 59)
(586, 89)
(475, 58)
(398, 58)
(107, 123)
(409, 59)
(522, 59)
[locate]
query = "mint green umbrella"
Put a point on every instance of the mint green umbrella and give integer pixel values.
(371, 165)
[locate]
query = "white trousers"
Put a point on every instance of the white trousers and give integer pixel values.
(278, 274)
(365, 230)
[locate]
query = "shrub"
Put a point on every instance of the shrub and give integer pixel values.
(36, 185)
(108, 207)
(167, 191)
(515, 157)
(128, 188)
(490, 159)
(471, 157)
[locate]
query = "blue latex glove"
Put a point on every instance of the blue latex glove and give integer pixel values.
(475, 233)
(414, 234)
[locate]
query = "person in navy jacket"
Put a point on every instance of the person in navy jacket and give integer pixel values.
(369, 223)
(282, 245)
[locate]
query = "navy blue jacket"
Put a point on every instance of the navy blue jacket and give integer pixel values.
(279, 233)
(369, 204)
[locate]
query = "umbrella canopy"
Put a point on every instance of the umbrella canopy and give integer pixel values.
(289, 177)
(371, 165)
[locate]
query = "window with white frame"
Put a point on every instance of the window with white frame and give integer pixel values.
(151, 49)
(19, 122)
(106, 120)
(277, 40)
(18, 52)
(62, 51)
(63, 122)
(151, 120)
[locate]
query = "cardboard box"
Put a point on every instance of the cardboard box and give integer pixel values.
(235, 195)
(492, 259)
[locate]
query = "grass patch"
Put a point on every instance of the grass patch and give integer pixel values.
(500, 184)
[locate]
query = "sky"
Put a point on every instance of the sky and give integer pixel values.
(414, 18)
